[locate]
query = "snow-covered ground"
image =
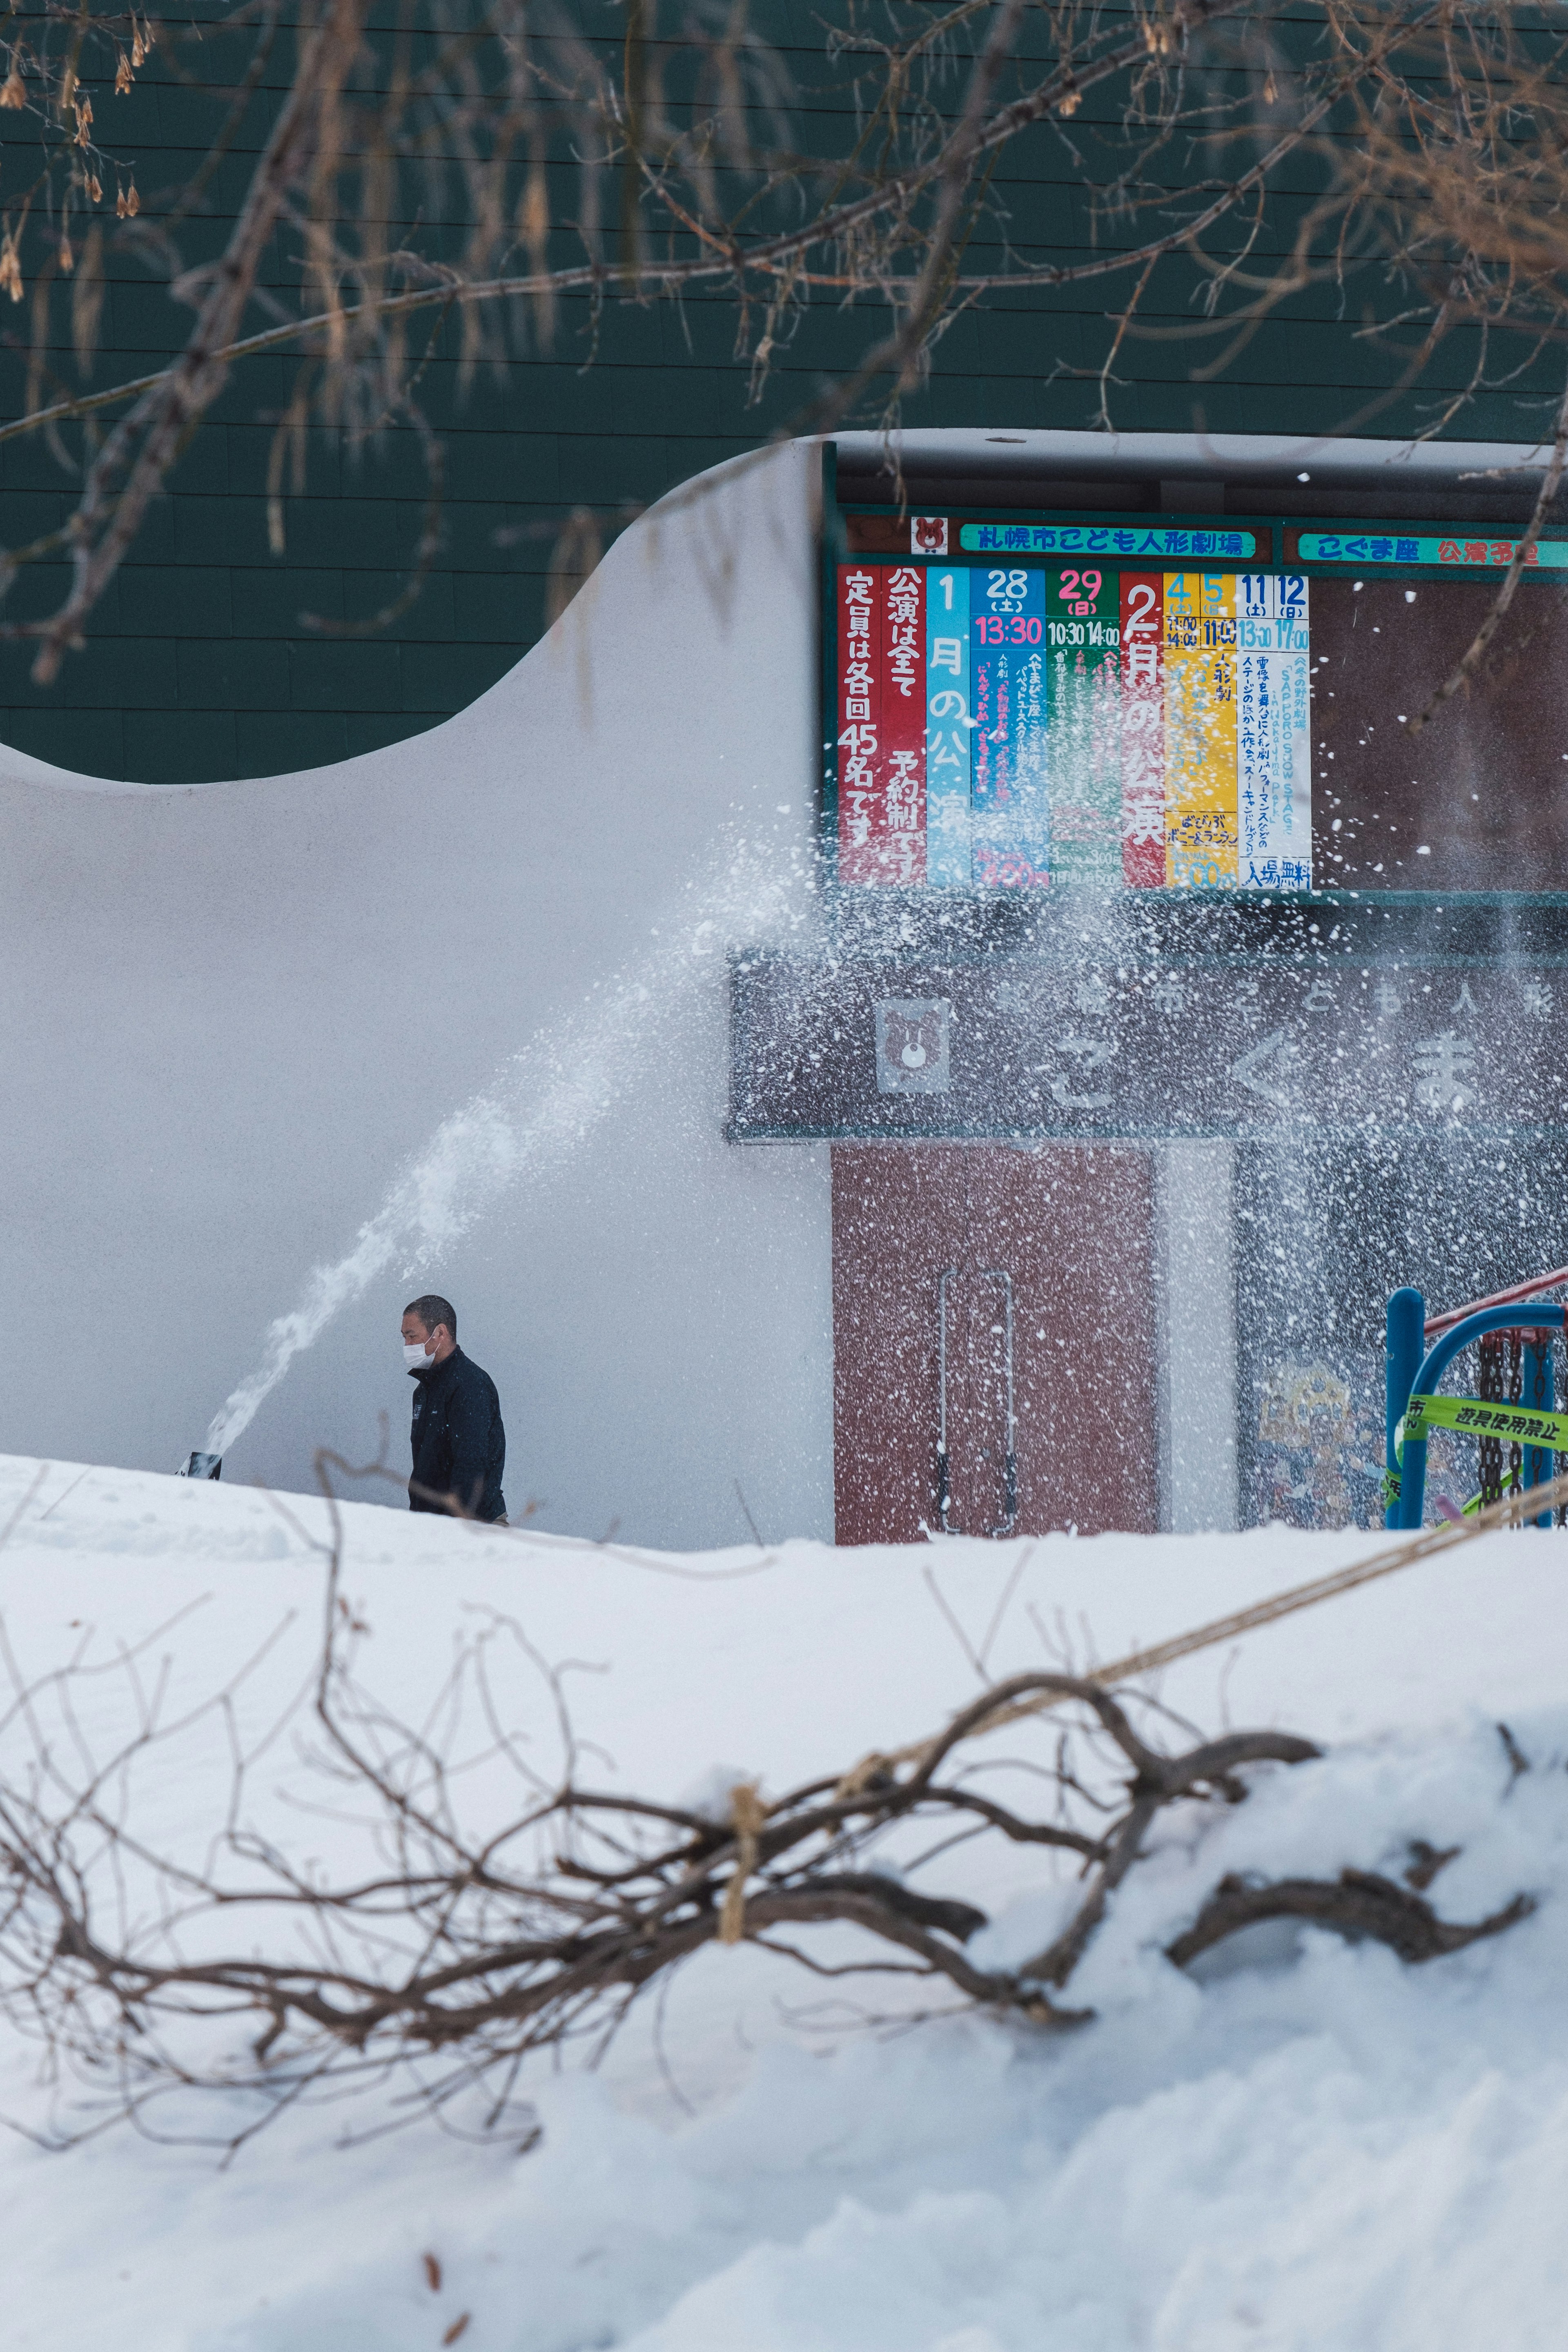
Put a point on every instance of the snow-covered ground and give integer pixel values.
(1315, 2148)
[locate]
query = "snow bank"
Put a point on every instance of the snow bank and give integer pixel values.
(1311, 2145)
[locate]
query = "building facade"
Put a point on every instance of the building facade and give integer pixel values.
(1010, 1118)
(1183, 1002)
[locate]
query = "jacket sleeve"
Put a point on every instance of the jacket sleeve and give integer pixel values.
(469, 1426)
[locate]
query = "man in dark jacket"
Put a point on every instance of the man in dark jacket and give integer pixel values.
(459, 1445)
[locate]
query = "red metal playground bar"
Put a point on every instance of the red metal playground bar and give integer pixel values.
(1437, 1323)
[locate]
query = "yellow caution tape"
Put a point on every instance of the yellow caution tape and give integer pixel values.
(1479, 1417)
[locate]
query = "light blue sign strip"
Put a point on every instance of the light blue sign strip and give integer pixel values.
(1105, 539)
(1459, 552)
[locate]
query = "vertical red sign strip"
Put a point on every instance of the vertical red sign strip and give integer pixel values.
(862, 624)
(1142, 731)
(903, 848)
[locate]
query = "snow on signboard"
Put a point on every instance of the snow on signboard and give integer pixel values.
(1198, 1046)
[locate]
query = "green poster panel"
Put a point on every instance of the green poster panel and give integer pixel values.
(1083, 612)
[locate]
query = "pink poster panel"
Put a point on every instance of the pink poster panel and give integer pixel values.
(1142, 731)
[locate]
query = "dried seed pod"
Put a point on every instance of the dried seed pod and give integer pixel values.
(13, 89)
(122, 76)
(10, 268)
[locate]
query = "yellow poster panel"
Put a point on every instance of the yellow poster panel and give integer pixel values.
(1200, 729)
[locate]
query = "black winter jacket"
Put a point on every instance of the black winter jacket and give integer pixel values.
(459, 1445)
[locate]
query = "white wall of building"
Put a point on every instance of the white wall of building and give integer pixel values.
(236, 1015)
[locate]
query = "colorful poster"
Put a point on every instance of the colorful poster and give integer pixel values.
(1009, 789)
(1083, 741)
(901, 840)
(950, 725)
(1143, 597)
(1273, 741)
(862, 603)
(1003, 727)
(881, 724)
(1200, 729)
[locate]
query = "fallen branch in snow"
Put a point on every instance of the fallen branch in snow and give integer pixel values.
(486, 1901)
(1358, 1904)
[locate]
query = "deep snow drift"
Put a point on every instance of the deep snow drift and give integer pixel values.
(1315, 2148)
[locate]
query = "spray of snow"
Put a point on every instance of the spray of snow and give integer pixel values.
(544, 1104)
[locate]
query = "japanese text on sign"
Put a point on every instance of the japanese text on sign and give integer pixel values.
(1486, 554)
(1006, 727)
(1096, 539)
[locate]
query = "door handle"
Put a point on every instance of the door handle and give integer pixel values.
(1009, 1518)
(943, 1488)
(1010, 1459)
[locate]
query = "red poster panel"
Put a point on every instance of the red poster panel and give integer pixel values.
(881, 723)
(1142, 731)
(862, 625)
(903, 832)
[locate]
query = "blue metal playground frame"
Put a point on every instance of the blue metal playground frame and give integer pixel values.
(1411, 1372)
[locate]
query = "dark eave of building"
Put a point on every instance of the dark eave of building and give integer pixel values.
(1187, 472)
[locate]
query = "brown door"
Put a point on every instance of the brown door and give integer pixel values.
(1045, 1252)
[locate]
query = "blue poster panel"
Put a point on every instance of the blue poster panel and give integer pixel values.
(950, 727)
(1010, 785)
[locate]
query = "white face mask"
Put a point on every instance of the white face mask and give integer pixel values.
(415, 1358)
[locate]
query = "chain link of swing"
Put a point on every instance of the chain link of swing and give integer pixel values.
(1502, 1381)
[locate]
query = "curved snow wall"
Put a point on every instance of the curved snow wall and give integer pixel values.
(450, 1016)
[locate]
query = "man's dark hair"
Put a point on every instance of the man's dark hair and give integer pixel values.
(432, 1310)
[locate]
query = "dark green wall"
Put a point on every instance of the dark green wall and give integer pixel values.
(199, 666)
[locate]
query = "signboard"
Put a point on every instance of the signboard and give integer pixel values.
(1444, 549)
(1008, 1047)
(1005, 727)
(1096, 539)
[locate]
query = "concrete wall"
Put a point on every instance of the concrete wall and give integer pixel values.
(239, 1013)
